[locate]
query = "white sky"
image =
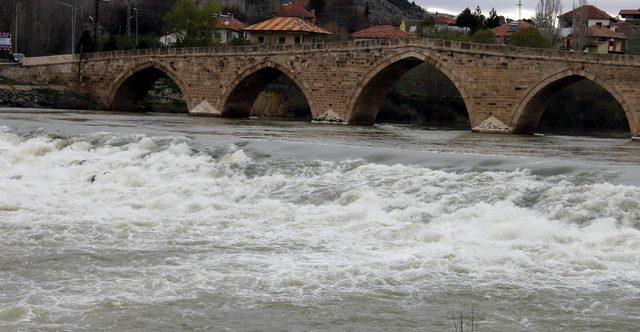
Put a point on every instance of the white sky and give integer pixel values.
(509, 8)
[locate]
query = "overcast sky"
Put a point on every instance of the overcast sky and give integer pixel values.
(509, 8)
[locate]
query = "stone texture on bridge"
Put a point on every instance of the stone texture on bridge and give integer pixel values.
(505, 89)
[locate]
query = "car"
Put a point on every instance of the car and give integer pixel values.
(17, 57)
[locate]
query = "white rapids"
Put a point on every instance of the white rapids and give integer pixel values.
(125, 231)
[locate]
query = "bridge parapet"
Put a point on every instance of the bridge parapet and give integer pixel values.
(439, 44)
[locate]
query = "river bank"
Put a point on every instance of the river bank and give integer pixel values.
(21, 94)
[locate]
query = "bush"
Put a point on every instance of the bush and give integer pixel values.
(529, 37)
(484, 37)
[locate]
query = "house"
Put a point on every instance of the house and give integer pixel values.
(593, 14)
(601, 34)
(296, 9)
(227, 29)
(630, 15)
(504, 31)
(286, 31)
(170, 39)
(604, 40)
(381, 32)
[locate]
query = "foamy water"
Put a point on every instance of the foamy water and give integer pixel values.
(126, 231)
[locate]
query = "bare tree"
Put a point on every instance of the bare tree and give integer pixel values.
(547, 12)
(580, 26)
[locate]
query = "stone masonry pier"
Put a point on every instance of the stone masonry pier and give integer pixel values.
(505, 89)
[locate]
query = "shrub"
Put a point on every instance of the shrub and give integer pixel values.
(529, 37)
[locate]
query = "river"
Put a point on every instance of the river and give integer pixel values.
(114, 221)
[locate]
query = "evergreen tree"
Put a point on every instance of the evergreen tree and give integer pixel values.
(494, 20)
(86, 44)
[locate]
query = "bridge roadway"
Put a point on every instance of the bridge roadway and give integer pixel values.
(505, 89)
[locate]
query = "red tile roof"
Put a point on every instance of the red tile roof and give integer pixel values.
(593, 12)
(291, 24)
(229, 23)
(601, 31)
(503, 30)
(294, 10)
(381, 32)
(444, 20)
(625, 12)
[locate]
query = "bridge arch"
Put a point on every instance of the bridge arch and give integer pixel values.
(537, 99)
(365, 103)
(238, 98)
(129, 88)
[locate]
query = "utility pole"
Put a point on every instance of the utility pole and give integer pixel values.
(519, 10)
(18, 4)
(129, 4)
(73, 8)
(137, 21)
(96, 34)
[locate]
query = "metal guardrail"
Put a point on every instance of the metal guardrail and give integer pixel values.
(427, 42)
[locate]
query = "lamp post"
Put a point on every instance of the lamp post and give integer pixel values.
(73, 25)
(96, 21)
(137, 30)
(18, 4)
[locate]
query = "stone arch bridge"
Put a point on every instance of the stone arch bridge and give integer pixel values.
(505, 89)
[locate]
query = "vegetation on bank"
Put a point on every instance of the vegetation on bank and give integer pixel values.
(43, 97)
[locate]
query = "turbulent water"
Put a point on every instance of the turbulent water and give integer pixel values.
(168, 223)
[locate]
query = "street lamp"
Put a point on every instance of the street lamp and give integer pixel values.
(96, 22)
(137, 31)
(18, 4)
(73, 24)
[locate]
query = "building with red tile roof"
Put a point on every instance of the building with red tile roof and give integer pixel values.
(381, 32)
(602, 36)
(593, 14)
(286, 30)
(227, 28)
(443, 20)
(601, 39)
(504, 31)
(630, 15)
(295, 10)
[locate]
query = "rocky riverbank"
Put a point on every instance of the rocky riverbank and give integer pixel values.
(17, 94)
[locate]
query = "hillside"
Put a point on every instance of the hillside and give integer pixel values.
(49, 26)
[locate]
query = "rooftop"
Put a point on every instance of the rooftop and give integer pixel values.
(601, 31)
(507, 29)
(626, 12)
(291, 24)
(444, 20)
(381, 32)
(229, 23)
(294, 10)
(592, 12)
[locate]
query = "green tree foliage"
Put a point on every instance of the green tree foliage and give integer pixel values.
(473, 21)
(484, 37)
(493, 21)
(188, 22)
(529, 37)
(110, 45)
(86, 44)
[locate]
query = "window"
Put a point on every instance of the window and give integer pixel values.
(599, 24)
(261, 40)
(298, 40)
(282, 40)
